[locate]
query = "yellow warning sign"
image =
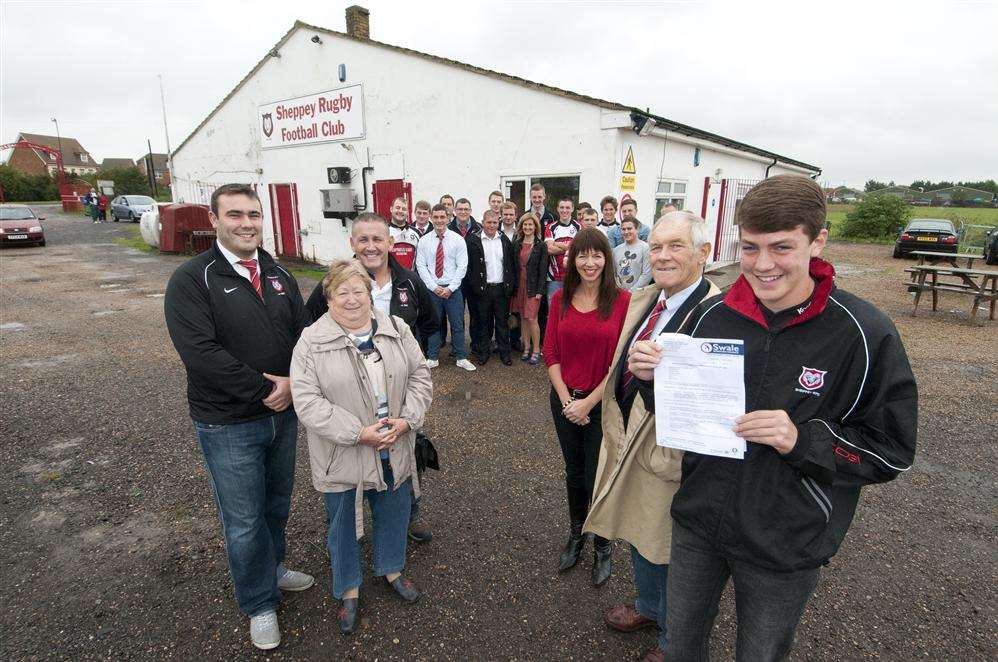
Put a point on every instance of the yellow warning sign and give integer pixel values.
(627, 182)
(629, 168)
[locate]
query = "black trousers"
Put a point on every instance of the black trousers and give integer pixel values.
(473, 302)
(580, 446)
(493, 316)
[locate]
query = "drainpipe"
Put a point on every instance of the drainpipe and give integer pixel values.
(816, 175)
(768, 168)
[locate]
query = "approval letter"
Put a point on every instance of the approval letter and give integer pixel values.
(699, 392)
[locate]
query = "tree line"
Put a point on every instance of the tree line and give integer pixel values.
(19, 187)
(927, 185)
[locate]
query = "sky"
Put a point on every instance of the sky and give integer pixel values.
(865, 90)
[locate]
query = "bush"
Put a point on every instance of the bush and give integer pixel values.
(127, 181)
(18, 187)
(876, 217)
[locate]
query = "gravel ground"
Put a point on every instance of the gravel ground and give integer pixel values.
(112, 549)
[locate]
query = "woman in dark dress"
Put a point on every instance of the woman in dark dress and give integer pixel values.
(532, 257)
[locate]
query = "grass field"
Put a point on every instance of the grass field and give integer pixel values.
(304, 272)
(969, 216)
(135, 241)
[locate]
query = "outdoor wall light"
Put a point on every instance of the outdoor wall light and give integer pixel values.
(316, 40)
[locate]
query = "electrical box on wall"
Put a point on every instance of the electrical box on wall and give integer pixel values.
(337, 202)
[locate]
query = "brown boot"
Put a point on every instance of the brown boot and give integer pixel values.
(625, 618)
(419, 531)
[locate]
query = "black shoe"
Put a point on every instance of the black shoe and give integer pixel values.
(347, 615)
(573, 549)
(405, 589)
(602, 549)
(506, 359)
(483, 359)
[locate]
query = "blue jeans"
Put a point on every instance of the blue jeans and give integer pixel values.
(768, 604)
(651, 581)
(553, 286)
(390, 519)
(454, 308)
(252, 471)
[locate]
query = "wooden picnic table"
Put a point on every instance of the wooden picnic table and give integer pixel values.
(935, 257)
(972, 281)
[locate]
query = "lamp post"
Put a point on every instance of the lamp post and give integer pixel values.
(57, 136)
(166, 131)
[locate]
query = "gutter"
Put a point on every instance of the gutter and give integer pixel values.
(706, 144)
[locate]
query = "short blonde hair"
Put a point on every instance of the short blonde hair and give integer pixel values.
(340, 271)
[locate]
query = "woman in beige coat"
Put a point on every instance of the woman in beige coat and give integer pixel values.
(361, 388)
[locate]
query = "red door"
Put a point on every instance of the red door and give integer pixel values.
(386, 190)
(284, 212)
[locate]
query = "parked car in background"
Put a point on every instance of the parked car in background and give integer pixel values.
(130, 207)
(20, 225)
(927, 234)
(991, 246)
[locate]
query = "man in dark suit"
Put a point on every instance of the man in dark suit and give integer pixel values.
(492, 276)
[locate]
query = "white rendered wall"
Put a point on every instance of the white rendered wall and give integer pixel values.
(443, 128)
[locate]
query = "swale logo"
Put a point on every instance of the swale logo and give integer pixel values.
(720, 348)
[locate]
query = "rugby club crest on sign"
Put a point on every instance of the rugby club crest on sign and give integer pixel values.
(811, 379)
(268, 124)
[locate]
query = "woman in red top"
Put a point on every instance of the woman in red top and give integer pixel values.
(585, 322)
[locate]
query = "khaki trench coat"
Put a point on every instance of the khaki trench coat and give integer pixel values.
(636, 478)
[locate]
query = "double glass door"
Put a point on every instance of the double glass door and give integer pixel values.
(517, 189)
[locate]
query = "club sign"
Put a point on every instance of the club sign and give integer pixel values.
(331, 116)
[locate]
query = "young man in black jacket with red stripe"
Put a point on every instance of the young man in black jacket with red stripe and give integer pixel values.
(234, 316)
(832, 406)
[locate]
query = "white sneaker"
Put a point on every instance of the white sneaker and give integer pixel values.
(264, 631)
(292, 580)
(433, 363)
(466, 364)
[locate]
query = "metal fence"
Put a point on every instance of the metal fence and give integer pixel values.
(726, 246)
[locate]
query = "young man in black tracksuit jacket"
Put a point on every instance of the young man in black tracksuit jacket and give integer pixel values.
(234, 316)
(832, 406)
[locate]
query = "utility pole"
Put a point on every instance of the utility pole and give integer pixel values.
(166, 131)
(151, 170)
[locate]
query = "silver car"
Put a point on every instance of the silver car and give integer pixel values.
(131, 207)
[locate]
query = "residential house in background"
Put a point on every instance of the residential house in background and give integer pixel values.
(159, 166)
(76, 160)
(116, 163)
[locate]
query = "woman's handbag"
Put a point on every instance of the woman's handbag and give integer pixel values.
(426, 454)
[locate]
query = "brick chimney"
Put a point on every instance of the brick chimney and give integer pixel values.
(358, 22)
